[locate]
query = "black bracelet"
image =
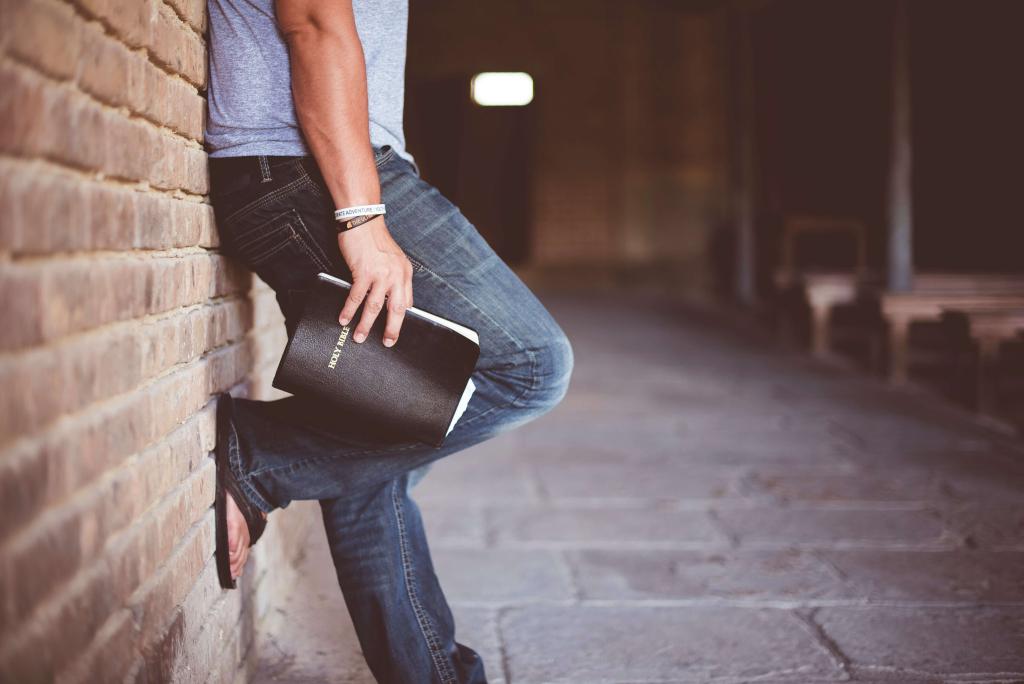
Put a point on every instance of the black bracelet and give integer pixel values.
(355, 222)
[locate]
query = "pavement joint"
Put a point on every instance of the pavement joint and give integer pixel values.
(732, 537)
(506, 672)
(571, 576)
(806, 618)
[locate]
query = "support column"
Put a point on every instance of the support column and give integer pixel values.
(745, 154)
(901, 216)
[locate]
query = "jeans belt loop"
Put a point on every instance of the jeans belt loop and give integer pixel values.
(265, 176)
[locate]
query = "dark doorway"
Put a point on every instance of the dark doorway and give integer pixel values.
(478, 157)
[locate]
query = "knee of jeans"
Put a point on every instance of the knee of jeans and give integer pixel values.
(553, 364)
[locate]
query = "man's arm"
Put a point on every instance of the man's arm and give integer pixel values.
(329, 89)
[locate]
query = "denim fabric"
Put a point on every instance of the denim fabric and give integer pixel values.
(275, 215)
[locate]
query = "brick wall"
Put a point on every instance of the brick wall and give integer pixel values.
(120, 322)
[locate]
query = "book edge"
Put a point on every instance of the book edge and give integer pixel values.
(468, 333)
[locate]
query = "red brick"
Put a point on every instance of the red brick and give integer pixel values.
(123, 77)
(116, 569)
(73, 295)
(152, 25)
(44, 34)
(132, 22)
(21, 299)
(78, 534)
(45, 211)
(41, 474)
(108, 656)
(178, 47)
(57, 122)
(59, 380)
(193, 12)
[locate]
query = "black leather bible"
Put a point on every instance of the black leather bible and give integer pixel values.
(416, 389)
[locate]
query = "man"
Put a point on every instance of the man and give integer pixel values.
(305, 118)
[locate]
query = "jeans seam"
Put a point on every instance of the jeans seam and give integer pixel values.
(307, 243)
(534, 380)
(264, 200)
(483, 314)
(357, 454)
(521, 347)
(444, 670)
(426, 269)
(313, 185)
(263, 256)
(514, 403)
(235, 459)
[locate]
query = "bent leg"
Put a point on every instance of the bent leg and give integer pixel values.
(295, 449)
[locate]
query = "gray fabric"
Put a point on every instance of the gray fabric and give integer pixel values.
(250, 99)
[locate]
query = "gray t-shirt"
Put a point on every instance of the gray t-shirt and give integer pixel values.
(250, 103)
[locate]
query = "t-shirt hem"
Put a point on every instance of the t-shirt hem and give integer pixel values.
(252, 149)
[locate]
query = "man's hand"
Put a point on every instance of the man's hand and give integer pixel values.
(329, 90)
(381, 274)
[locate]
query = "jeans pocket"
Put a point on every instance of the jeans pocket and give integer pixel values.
(273, 248)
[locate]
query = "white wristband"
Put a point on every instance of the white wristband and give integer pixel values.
(363, 210)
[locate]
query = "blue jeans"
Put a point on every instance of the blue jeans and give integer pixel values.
(274, 214)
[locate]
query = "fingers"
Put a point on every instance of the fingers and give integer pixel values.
(355, 297)
(396, 314)
(373, 306)
(393, 292)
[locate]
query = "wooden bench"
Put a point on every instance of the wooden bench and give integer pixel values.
(935, 293)
(990, 326)
(823, 289)
(825, 292)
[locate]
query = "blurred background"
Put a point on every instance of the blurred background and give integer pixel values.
(823, 165)
(784, 237)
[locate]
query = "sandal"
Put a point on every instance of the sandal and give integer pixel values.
(227, 484)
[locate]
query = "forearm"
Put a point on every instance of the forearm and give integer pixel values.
(329, 90)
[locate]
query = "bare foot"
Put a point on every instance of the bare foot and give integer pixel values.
(238, 537)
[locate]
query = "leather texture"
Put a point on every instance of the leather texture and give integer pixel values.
(412, 389)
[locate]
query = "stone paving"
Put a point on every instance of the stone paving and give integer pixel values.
(704, 507)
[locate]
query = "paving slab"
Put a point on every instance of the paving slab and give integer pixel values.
(828, 527)
(691, 452)
(611, 644)
(597, 527)
(454, 526)
(980, 525)
(733, 574)
(829, 486)
(478, 476)
(988, 482)
(667, 479)
(953, 642)
(929, 576)
(503, 576)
